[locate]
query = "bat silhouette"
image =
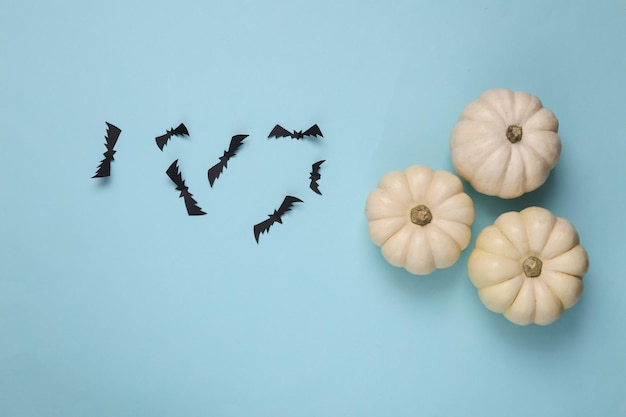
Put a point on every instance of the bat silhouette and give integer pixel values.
(104, 169)
(216, 170)
(264, 226)
(281, 132)
(315, 175)
(177, 178)
(181, 130)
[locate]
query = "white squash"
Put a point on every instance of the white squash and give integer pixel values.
(528, 266)
(505, 143)
(420, 218)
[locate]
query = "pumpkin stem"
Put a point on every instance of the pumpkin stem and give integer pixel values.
(514, 133)
(532, 266)
(421, 215)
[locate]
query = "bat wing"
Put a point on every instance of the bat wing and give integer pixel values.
(316, 166)
(161, 141)
(192, 205)
(181, 130)
(262, 227)
(175, 175)
(113, 133)
(313, 131)
(315, 187)
(288, 202)
(215, 171)
(235, 143)
(104, 169)
(279, 132)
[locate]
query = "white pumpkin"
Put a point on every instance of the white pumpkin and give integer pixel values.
(505, 143)
(528, 266)
(420, 218)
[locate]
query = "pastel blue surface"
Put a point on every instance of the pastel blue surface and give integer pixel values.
(114, 302)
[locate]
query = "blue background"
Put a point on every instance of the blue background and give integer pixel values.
(114, 302)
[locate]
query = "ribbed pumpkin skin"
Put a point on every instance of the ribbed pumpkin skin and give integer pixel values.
(499, 267)
(483, 152)
(420, 248)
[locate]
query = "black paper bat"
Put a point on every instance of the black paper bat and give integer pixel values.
(315, 175)
(177, 178)
(104, 169)
(264, 226)
(181, 130)
(281, 132)
(216, 170)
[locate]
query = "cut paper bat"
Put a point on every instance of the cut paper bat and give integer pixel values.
(281, 132)
(215, 171)
(177, 178)
(104, 169)
(315, 175)
(264, 226)
(181, 130)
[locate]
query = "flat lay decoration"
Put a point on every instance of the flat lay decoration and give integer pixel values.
(529, 266)
(113, 133)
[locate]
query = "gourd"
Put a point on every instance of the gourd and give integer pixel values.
(528, 266)
(420, 218)
(505, 143)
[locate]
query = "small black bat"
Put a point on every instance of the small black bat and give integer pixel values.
(177, 178)
(281, 132)
(181, 130)
(315, 175)
(264, 226)
(216, 170)
(104, 169)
